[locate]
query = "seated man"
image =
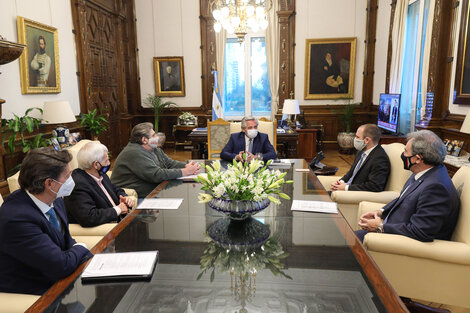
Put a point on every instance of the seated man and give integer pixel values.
(141, 165)
(248, 141)
(371, 166)
(95, 200)
(428, 206)
(36, 248)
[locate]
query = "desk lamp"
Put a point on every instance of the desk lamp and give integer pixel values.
(59, 112)
(291, 106)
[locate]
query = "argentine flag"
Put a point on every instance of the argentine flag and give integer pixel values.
(217, 108)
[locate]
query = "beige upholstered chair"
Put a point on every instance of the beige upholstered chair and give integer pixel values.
(16, 302)
(348, 201)
(218, 134)
(264, 126)
(435, 271)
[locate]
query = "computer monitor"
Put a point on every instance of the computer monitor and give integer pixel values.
(389, 110)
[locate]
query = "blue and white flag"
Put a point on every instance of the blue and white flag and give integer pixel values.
(217, 108)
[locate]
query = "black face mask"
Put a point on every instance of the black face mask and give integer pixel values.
(103, 169)
(407, 164)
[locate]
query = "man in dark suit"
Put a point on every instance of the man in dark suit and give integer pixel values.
(249, 141)
(36, 248)
(95, 200)
(428, 206)
(371, 166)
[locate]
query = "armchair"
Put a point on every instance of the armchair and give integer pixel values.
(435, 271)
(348, 201)
(264, 126)
(218, 134)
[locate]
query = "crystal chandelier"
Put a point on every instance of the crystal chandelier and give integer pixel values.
(237, 16)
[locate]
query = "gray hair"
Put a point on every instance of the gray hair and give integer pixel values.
(89, 153)
(427, 145)
(139, 131)
(248, 118)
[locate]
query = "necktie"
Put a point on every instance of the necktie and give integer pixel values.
(53, 218)
(250, 145)
(408, 184)
(356, 169)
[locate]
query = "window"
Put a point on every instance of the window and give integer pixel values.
(412, 85)
(246, 85)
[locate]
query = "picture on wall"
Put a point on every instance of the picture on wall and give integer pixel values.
(39, 63)
(169, 76)
(329, 68)
(462, 70)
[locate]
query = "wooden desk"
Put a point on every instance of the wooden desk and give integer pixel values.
(307, 143)
(286, 145)
(328, 265)
(180, 133)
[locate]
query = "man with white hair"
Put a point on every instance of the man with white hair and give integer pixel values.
(95, 200)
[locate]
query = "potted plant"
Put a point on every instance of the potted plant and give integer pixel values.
(346, 138)
(158, 105)
(187, 119)
(94, 122)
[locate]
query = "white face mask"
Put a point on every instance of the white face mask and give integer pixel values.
(66, 188)
(153, 142)
(252, 133)
(359, 144)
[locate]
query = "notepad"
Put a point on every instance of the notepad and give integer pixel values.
(314, 206)
(121, 266)
(160, 204)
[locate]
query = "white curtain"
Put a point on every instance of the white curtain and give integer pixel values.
(220, 39)
(272, 54)
(398, 39)
(427, 52)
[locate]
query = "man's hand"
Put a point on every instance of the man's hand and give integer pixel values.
(371, 220)
(338, 185)
(123, 207)
(250, 156)
(127, 201)
(191, 168)
(239, 156)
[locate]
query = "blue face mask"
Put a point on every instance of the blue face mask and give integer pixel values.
(103, 169)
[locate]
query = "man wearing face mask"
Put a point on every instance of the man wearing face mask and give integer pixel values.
(95, 200)
(36, 248)
(428, 205)
(371, 166)
(249, 141)
(142, 165)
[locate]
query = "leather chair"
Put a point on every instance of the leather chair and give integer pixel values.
(264, 126)
(16, 302)
(435, 271)
(218, 134)
(348, 201)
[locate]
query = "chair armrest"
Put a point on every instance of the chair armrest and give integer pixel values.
(438, 250)
(365, 206)
(326, 181)
(90, 241)
(133, 194)
(101, 230)
(16, 302)
(352, 197)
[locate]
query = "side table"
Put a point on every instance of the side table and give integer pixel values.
(180, 133)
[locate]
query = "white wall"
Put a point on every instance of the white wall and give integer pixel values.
(316, 19)
(170, 28)
(56, 13)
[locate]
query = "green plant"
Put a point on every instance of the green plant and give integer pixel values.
(158, 106)
(94, 122)
(346, 114)
(15, 126)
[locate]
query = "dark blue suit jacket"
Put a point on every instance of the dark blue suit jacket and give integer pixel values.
(33, 253)
(237, 143)
(428, 210)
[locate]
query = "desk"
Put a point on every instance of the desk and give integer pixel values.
(307, 143)
(180, 133)
(330, 269)
(286, 145)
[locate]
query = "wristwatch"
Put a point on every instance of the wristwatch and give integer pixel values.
(380, 228)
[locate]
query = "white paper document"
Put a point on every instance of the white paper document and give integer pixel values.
(121, 264)
(282, 162)
(191, 177)
(314, 206)
(160, 204)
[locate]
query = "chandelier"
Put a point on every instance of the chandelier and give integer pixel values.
(237, 16)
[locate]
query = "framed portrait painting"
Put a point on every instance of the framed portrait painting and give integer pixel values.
(39, 63)
(329, 68)
(169, 76)
(462, 70)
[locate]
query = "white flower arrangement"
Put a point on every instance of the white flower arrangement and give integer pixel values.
(242, 181)
(187, 117)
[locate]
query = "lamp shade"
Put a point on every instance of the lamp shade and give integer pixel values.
(57, 112)
(291, 106)
(466, 124)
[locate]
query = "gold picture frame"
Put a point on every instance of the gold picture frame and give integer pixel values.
(169, 76)
(329, 68)
(39, 63)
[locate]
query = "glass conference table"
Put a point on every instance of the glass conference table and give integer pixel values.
(319, 264)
